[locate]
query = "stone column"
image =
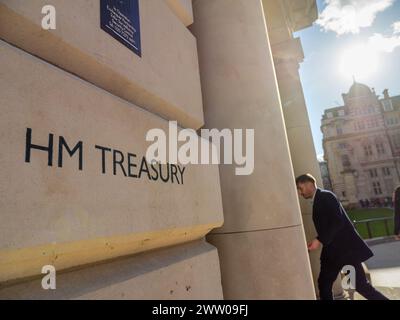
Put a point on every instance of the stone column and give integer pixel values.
(262, 244)
(287, 57)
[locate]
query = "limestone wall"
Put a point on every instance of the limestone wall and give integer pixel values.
(189, 271)
(75, 190)
(66, 216)
(164, 80)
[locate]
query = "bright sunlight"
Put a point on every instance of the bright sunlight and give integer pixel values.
(359, 61)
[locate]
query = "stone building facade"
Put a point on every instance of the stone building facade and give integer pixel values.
(77, 102)
(326, 179)
(361, 141)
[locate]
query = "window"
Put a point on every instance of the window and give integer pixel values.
(368, 150)
(339, 130)
(341, 113)
(387, 105)
(380, 148)
(392, 121)
(370, 109)
(342, 145)
(372, 123)
(373, 173)
(329, 115)
(346, 161)
(396, 140)
(377, 188)
(360, 125)
(386, 171)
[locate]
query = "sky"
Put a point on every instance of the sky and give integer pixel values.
(357, 38)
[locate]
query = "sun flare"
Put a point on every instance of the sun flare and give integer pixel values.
(359, 61)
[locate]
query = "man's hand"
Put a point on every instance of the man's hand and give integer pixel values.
(313, 245)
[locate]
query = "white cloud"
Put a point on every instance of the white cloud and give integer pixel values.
(349, 16)
(396, 27)
(381, 43)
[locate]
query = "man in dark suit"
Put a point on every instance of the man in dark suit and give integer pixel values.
(341, 243)
(396, 204)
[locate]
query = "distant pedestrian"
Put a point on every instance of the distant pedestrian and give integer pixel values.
(396, 204)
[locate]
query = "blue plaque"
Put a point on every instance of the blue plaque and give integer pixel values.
(120, 19)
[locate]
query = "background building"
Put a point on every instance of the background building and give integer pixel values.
(213, 64)
(362, 146)
(326, 179)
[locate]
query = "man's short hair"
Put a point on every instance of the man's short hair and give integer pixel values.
(305, 178)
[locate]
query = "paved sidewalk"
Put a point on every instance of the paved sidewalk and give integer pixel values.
(384, 268)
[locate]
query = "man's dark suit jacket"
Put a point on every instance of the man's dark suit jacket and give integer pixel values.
(341, 241)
